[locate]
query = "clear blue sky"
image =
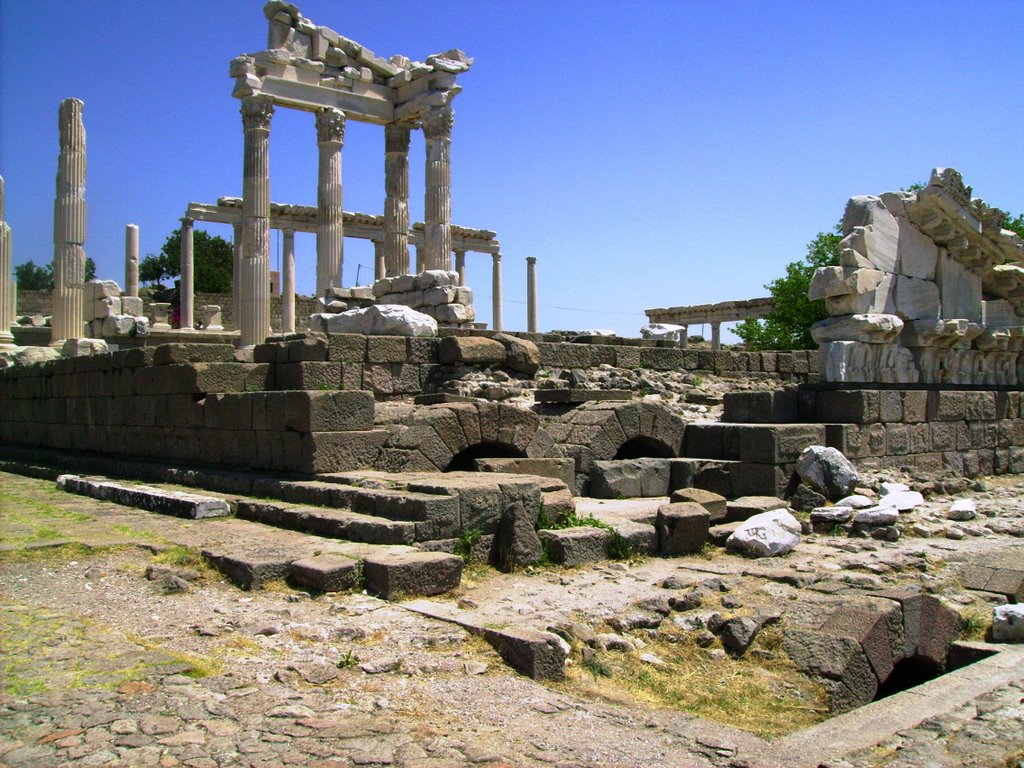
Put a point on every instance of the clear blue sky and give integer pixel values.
(648, 154)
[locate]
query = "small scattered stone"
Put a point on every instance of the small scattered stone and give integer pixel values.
(962, 510)
(474, 668)
(380, 667)
(686, 602)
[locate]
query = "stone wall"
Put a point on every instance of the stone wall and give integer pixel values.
(304, 306)
(187, 403)
(34, 303)
(965, 433)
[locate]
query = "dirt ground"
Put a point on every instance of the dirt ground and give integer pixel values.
(120, 647)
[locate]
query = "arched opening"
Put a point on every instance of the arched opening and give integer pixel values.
(463, 460)
(641, 447)
(907, 674)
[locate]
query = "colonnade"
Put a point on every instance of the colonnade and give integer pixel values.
(392, 256)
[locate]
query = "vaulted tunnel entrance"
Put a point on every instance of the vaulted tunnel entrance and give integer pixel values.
(643, 447)
(464, 460)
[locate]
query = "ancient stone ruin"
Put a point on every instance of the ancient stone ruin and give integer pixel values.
(396, 439)
(929, 290)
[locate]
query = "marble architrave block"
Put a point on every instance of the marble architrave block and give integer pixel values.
(828, 282)
(868, 328)
(999, 313)
(861, 211)
(878, 300)
(959, 289)
(918, 254)
(131, 305)
(916, 299)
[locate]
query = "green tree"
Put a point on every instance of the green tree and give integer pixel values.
(213, 257)
(788, 325)
(31, 277)
(1015, 223)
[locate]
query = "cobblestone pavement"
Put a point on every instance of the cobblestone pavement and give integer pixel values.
(100, 665)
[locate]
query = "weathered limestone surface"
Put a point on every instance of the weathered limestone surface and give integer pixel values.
(69, 215)
(930, 289)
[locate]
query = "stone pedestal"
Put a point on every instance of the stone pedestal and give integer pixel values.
(496, 292)
(254, 300)
(69, 215)
(6, 282)
(161, 316)
(131, 260)
(396, 203)
(437, 128)
(531, 294)
(288, 284)
(330, 134)
(210, 314)
(186, 284)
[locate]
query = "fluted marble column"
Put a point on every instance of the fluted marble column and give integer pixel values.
(254, 292)
(531, 294)
(236, 274)
(421, 255)
(69, 225)
(496, 292)
(460, 266)
(288, 284)
(330, 232)
(186, 283)
(396, 202)
(716, 336)
(437, 128)
(131, 260)
(6, 281)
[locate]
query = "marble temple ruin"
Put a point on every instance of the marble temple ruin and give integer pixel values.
(314, 69)
(929, 290)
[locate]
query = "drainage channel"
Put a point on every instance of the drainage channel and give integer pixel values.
(995, 667)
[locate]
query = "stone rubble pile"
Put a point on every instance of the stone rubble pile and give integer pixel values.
(436, 293)
(929, 290)
(107, 313)
(375, 320)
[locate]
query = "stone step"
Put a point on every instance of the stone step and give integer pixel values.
(177, 503)
(332, 523)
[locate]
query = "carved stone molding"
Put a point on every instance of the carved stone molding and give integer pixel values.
(330, 126)
(438, 123)
(256, 112)
(396, 137)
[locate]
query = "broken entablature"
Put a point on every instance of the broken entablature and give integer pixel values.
(930, 289)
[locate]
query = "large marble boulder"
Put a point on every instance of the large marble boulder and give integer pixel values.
(766, 535)
(383, 320)
(827, 471)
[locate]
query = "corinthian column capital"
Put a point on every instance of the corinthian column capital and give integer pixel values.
(257, 111)
(330, 126)
(438, 122)
(396, 137)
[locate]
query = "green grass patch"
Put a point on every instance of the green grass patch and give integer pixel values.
(766, 696)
